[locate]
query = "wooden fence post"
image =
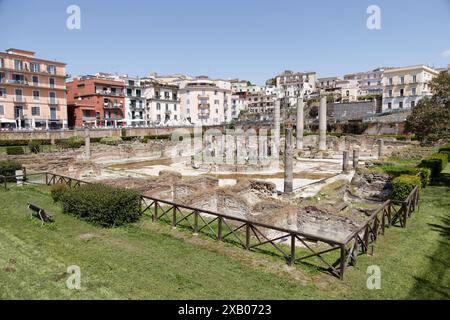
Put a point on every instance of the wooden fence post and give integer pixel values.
(219, 229)
(292, 257)
(195, 222)
(174, 217)
(342, 262)
(247, 236)
(155, 214)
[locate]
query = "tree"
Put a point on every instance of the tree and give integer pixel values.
(430, 118)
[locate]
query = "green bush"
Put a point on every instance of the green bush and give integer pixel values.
(35, 146)
(102, 205)
(58, 190)
(14, 150)
(436, 163)
(445, 149)
(403, 185)
(8, 168)
(111, 141)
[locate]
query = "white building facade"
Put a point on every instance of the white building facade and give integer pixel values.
(404, 87)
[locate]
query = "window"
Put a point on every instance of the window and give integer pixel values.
(413, 104)
(158, 106)
(138, 92)
(35, 111)
(414, 78)
(175, 107)
(216, 101)
(391, 81)
(390, 105)
(188, 101)
(400, 105)
(2, 92)
(402, 92)
(51, 82)
(18, 92)
(167, 107)
(35, 95)
(51, 69)
(175, 117)
(2, 63)
(413, 91)
(18, 64)
(2, 110)
(2, 76)
(35, 80)
(35, 67)
(390, 93)
(158, 117)
(129, 92)
(52, 97)
(166, 95)
(402, 80)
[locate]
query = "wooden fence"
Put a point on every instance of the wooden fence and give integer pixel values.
(256, 236)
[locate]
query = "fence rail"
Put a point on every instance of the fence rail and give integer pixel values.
(257, 236)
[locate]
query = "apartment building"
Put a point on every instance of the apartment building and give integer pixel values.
(260, 107)
(369, 82)
(32, 91)
(96, 100)
(162, 102)
(404, 87)
(135, 102)
(244, 86)
(348, 90)
(205, 101)
(295, 84)
(238, 104)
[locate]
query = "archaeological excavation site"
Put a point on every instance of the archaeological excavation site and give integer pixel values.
(259, 187)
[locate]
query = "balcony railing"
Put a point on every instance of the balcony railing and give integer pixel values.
(109, 93)
(89, 118)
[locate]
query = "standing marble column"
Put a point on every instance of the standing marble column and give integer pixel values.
(355, 158)
(345, 161)
(323, 123)
(380, 148)
(87, 144)
(288, 165)
(276, 122)
(300, 123)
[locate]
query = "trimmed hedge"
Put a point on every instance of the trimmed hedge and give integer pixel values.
(425, 176)
(436, 163)
(8, 168)
(23, 143)
(403, 185)
(74, 142)
(445, 149)
(15, 150)
(102, 205)
(111, 141)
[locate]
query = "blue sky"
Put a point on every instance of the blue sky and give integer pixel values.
(247, 39)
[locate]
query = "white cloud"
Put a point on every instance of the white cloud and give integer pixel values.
(446, 54)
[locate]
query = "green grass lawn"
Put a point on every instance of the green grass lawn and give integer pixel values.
(152, 261)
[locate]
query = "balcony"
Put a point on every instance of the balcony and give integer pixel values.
(19, 99)
(204, 106)
(109, 93)
(89, 119)
(112, 106)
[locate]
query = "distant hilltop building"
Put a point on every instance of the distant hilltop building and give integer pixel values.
(32, 91)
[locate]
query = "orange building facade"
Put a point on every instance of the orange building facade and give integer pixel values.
(32, 92)
(95, 102)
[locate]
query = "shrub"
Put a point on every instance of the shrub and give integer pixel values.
(14, 150)
(436, 163)
(8, 168)
(58, 190)
(403, 185)
(35, 146)
(111, 141)
(445, 149)
(23, 143)
(102, 205)
(425, 176)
